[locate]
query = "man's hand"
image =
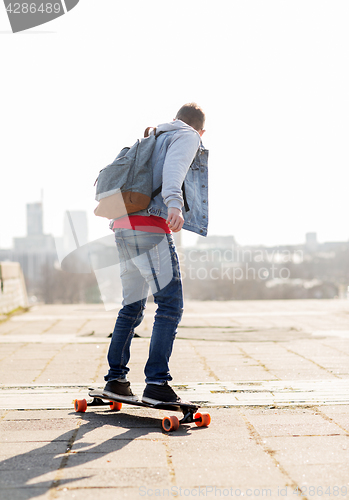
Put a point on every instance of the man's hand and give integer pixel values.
(175, 219)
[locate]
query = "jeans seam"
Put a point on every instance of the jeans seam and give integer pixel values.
(131, 334)
(129, 317)
(128, 336)
(135, 319)
(176, 318)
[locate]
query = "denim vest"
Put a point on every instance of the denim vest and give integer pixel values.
(195, 187)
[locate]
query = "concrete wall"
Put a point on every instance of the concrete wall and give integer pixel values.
(13, 292)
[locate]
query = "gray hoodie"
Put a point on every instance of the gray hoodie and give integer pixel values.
(171, 159)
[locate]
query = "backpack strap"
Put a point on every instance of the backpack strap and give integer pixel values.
(158, 191)
(148, 129)
(186, 206)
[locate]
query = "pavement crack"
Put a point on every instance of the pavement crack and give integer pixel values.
(205, 363)
(48, 363)
(335, 349)
(102, 360)
(311, 361)
(170, 466)
(11, 331)
(271, 453)
(82, 326)
(51, 326)
(59, 475)
(331, 420)
(5, 412)
(15, 351)
(262, 365)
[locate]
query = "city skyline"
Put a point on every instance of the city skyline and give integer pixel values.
(72, 267)
(76, 221)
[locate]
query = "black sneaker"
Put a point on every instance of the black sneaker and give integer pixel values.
(154, 393)
(119, 388)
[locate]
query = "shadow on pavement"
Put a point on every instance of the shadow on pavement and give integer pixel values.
(18, 473)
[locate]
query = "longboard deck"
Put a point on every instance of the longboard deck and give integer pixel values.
(189, 410)
(109, 396)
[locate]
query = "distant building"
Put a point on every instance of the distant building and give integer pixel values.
(34, 219)
(311, 243)
(34, 251)
(36, 240)
(40, 255)
(37, 252)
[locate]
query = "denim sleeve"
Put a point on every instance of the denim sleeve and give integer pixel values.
(179, 156)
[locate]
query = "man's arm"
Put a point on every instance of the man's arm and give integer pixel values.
(180, 154)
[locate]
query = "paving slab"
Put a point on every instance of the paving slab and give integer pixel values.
(311, 449)
(328, 480)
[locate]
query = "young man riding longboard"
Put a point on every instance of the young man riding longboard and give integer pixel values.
(148, 257)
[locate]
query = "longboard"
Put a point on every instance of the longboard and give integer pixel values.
(189, 410)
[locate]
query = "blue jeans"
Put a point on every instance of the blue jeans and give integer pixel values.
(148, 263)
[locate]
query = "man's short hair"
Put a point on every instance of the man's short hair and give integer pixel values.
(192, 115)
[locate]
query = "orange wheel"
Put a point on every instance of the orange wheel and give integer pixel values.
(175, 423)
(170, 424)
(80, 405)
(114, 405)
(205, 419)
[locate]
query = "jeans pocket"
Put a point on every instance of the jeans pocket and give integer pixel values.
(148, 261)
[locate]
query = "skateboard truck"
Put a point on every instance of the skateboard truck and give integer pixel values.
(98, 402)
(187, 417)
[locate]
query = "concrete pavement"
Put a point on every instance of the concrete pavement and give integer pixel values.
(273, 375)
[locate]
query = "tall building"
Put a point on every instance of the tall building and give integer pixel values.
(311, 243)
(34, 219)
(35, 241)
(35, 252)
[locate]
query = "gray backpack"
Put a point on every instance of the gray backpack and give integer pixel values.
(126, 185)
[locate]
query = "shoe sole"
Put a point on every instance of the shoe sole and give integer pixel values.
(123, 396)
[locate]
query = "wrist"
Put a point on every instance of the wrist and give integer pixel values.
(174, 210)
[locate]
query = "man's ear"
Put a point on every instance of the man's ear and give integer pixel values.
(201, 133)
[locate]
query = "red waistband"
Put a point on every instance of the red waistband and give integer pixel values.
(150, 224)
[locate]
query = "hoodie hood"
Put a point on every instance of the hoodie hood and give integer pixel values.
(173, 126)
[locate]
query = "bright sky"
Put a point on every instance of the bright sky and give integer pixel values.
(271, 75)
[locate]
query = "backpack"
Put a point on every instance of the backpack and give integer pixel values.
(125, 186)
